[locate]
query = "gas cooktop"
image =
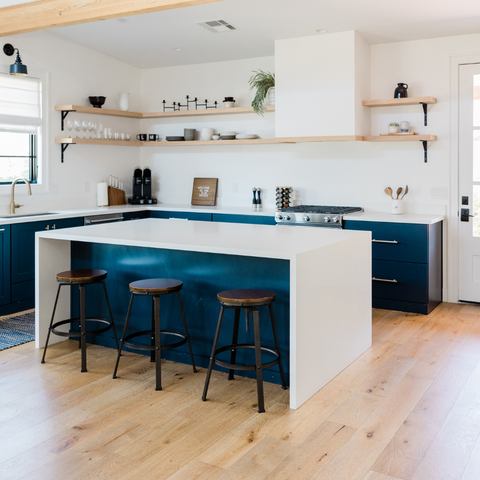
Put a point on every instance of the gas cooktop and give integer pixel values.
(314, 215)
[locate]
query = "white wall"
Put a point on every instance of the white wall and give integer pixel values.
(75, 72)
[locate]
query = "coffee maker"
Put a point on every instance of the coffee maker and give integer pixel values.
(142, 187)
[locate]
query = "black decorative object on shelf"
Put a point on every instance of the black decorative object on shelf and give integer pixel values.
(18, 68)
(401, 91)
(177, 106)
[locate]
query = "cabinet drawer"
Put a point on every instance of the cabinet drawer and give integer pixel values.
(206, 217)
(254, 219)
(400, 281)
(395, 241)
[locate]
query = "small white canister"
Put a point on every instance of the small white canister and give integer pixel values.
(397, 207)
(404, 127)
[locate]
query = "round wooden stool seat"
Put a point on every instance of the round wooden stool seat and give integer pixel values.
(246, 297)
(154, 286)
(82, 276)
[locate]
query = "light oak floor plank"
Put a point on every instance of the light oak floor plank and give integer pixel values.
(419, 383)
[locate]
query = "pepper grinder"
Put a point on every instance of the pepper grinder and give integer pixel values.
(259, 199)
(254, 200)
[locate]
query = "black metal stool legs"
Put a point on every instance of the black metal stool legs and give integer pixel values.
(51, 323)
(83, 329)
(277, 346)
(152, 336)
(111, 316)
(186, 332)
(233, 354)
(212, 357)
(123, 336)
(158, 344)
(258, 360)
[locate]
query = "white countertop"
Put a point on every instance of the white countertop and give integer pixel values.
(424, 219)
(247, 210)
(265, 241)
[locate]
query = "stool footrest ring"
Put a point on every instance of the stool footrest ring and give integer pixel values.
(78, 334)
(231, 366)
(136, 346)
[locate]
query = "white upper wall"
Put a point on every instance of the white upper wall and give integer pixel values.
(75, 72)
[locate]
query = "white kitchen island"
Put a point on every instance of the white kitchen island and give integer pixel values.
(328, 276)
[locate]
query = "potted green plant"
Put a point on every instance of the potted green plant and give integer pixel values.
(262, 82)
(393, 127)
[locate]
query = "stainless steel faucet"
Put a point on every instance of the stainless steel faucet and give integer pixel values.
(12, 202)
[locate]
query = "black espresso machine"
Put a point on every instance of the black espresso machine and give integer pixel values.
(142, 187)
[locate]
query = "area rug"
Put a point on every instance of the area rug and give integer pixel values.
(17, 330)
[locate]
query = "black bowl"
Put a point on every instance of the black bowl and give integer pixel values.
(97, 102)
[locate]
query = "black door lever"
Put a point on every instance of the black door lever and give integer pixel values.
(465, 215)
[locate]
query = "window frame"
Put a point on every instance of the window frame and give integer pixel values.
(32, 159)
(42, 183)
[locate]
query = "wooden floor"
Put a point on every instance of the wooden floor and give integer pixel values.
(409, 408)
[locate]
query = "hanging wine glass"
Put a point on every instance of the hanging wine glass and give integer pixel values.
(84, 128)
(100, 131)
(90, 128)
(69, 126)
(94, 130)
(77, 127)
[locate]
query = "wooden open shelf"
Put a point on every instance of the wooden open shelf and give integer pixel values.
(394, 102)
(87, 141)
(181, 113)
(333, 138)
(397, 138)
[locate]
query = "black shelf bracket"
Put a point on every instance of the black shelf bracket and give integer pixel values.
(64, 115)
(424, 105)
(424, 142)
(64, 147)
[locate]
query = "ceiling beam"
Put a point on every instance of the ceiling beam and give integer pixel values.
(46, 14)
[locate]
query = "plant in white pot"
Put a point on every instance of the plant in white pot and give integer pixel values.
(393, 127)
(264, 83)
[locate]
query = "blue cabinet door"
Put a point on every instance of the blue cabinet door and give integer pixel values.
(254, 219)
(5, 265)
(23, 245)
(135, 215)
(205, 217)
(23, 249)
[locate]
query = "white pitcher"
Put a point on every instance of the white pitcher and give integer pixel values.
(122, 99)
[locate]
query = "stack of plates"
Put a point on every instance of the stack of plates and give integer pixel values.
(228, 135)
(246, 136)
(175, 139)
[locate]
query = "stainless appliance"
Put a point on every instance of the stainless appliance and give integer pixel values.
(314, 215)
(106, 218)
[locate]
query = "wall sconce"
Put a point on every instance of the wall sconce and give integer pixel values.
(18, 68)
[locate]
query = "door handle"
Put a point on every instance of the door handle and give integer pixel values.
(384, 241)
(384, 280)
(465, 215)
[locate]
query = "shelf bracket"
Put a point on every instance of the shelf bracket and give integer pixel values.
(424, 105)
(424, 142)
(64, 147)
(64, 115)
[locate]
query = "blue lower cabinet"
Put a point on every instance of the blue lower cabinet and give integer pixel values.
(5, 266)
(406, 265)
(23, 259)
(253, 219)
(135, 215)
(204, 217)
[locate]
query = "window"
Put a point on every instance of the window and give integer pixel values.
(20, 128)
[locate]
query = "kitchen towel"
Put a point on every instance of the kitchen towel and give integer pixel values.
(102, 194)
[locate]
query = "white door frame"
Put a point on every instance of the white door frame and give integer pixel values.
(452, 227)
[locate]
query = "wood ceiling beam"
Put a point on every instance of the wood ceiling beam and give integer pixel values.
(47, 14)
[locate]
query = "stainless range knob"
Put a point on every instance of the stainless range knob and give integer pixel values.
(278, 217)
(326, 219)
(335, 220)
(306, 218)
(286, 217)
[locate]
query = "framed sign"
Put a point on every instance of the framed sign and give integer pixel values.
(204, 191)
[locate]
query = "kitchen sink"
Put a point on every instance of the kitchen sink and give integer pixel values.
(27, 215)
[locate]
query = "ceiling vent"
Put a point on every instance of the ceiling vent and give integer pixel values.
(217, 26)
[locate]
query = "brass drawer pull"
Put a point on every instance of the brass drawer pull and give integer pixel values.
(384, 280)
(384, 241)
(2, 229)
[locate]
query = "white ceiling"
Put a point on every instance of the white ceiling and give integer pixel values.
(149, 41)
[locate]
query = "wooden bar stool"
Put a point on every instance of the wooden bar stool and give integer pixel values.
(249, 300)
(155, 287)
(81, 278)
